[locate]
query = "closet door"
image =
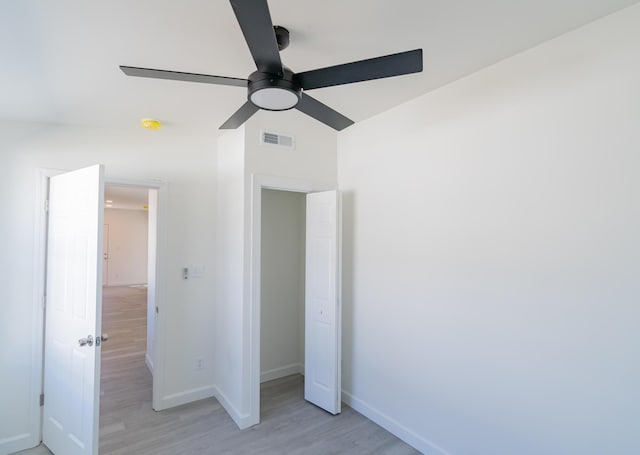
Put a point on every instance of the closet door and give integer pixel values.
(322, 385)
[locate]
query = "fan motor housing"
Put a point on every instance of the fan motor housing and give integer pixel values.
(272, 92)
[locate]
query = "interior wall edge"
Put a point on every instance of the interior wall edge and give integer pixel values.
(243, 421)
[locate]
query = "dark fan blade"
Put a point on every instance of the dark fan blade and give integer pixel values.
(242, 115)
(363, 70)
(177, 76)
(323, 113)
(255, 22)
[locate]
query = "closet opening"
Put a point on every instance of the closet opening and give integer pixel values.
(282, 296)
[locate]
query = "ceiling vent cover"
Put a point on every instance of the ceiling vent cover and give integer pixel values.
(278, 139)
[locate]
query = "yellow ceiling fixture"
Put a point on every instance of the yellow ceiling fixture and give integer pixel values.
(150, 124)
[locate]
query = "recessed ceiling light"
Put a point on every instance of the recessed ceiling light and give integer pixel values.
(109, 201)
(109, 205)
(150, 124)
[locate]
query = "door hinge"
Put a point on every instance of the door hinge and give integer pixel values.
(42, 399)
(46, 205)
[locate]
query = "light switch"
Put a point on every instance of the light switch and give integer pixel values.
(197, 271)
(193, 271)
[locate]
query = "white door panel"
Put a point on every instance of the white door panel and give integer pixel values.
(74, 281)
(322, 302)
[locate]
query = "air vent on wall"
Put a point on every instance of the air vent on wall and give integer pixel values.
(271, 138)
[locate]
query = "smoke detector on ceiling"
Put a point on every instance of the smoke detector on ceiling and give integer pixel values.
(150, 124)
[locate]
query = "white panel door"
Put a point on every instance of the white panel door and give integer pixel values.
(73, 310)
(105, 256)
(322, 382)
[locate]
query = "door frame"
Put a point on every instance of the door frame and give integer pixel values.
(39, 288)
(258, 183)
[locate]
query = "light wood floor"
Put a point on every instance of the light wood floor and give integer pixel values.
(289, 425)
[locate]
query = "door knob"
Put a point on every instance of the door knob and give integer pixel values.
(86, 341)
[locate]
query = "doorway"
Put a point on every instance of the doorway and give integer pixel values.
(322, 303)
(89, 201)
(282, 284)
(126, 317)
(130, 256)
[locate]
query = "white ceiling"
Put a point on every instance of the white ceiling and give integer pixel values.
(59, 59)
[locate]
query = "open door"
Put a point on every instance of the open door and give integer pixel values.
(73, 312)
(322, 384)
(105, 255)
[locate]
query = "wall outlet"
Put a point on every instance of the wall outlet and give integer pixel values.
(199, 364)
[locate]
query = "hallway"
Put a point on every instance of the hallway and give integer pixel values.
(125, 380)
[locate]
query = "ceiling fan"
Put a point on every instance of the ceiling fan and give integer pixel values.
(275, 87)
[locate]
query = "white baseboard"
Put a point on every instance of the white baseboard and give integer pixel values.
(422, 444)
(17, 443)
(242, 420)
(187, 396)
(149, 363)
(277, 373)
(123, 283)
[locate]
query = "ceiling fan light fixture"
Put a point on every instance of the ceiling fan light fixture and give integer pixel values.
(274, 98)
(273, 92)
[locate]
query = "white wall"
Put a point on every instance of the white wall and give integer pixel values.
(187, 164)
(128, 232)
(240, 157)
(229, 273)
(313, 159)
(282, 284)
(491, 254)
